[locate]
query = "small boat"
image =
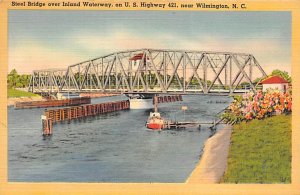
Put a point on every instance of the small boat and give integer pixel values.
(155, 121)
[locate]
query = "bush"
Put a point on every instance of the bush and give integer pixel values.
(258, 106)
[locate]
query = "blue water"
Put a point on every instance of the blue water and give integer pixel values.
(114, 147)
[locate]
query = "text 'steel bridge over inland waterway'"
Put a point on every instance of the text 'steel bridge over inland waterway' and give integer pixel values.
(147, 5)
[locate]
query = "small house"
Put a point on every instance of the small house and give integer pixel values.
(275, 82)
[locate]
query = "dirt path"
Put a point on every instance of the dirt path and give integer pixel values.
(214, 159)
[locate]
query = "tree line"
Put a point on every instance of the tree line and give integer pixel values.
(15, 80)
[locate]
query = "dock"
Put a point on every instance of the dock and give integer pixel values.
(184, 124)
(53, 103)
(53, 116)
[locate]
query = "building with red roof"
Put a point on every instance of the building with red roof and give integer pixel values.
(275, 82)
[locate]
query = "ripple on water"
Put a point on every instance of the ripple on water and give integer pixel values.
(114, 147)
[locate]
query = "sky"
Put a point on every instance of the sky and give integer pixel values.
(40, 39)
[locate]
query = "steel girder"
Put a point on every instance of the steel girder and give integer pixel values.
(46, 81)
(154, 71)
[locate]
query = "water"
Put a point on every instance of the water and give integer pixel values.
(115, 147)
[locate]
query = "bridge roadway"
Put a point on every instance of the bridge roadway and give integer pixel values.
(152, 71)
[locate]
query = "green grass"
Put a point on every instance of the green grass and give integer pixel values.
(260, 152)
(17, 93)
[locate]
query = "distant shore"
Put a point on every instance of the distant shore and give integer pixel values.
(214, 158)
(97, 95)
(12, 100)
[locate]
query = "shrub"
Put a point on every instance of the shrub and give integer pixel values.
(258, 105)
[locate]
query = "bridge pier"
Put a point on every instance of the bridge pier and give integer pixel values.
(146, 101)
(141, 103)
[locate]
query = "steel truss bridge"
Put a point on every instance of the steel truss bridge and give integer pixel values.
(154, 71)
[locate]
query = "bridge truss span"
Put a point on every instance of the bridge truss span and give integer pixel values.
(154, 71)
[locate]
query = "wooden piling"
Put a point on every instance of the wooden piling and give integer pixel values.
(75, 112)
(47, 126)
(166, 99)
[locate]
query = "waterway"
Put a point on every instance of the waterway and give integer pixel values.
(114, 147)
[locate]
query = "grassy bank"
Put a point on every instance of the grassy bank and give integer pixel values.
(17, 93)
(260, 152)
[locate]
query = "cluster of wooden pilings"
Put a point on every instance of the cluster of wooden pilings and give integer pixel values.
(75, 112)
(53, 103)
(166, 99)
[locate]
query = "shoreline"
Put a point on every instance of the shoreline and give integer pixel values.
(213, 161)
(98, 95)
(12, 100)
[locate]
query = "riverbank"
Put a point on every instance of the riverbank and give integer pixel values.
(13, 100)
(15, 95)
(214, 158)
(260, 151)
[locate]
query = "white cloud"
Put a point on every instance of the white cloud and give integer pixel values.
(78, 46)
(36, 56)
(116, 41)
(123, 40)
(269, 53)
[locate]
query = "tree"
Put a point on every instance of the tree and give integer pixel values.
(282, 74)
(16, 80)
(275, 72)
(12, 78)
(258, 80)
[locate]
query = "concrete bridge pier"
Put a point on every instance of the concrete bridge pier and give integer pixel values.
(146, 101)
(141, 101)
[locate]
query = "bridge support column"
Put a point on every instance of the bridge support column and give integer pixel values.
(141, 103)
